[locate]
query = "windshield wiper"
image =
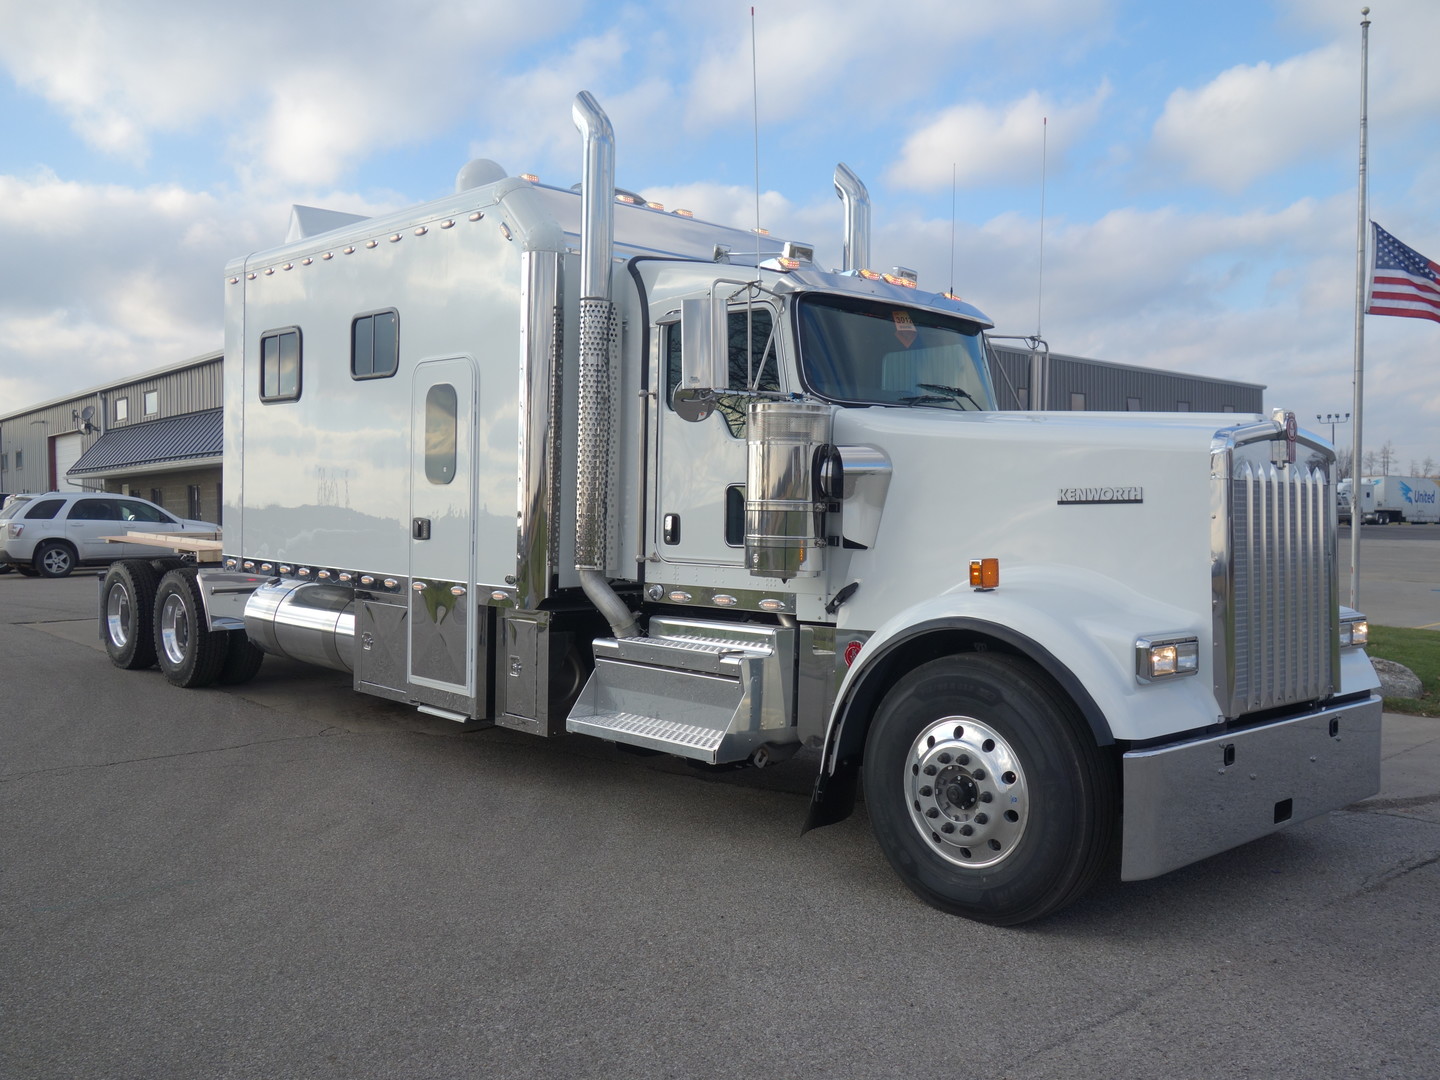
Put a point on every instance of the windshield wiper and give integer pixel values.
(952, 393)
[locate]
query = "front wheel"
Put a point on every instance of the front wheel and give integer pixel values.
(189, 653)
(986, 791)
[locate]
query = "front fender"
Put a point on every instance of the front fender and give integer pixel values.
(1077, 626)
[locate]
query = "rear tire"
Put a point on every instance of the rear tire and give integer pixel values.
(189, 654)
(54, 559)
(242, 659)
(127, 611)
(986, 790)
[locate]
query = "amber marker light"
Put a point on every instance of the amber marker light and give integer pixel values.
(985, 574)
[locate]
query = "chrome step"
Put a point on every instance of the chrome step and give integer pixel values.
(713, 692)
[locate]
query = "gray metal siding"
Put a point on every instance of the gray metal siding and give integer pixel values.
(1107, 386)
(191, 387)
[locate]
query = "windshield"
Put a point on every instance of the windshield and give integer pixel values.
(14, 506)
(866, 351)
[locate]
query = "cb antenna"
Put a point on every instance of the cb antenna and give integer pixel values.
(755, 124)
(1040, 283)
(952, 228)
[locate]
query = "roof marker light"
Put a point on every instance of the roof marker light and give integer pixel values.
(683, 213)
(530, 176)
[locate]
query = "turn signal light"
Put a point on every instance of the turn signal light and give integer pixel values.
(985, 573)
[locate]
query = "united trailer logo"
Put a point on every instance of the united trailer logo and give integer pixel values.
(1411, 496)
(1090, 496)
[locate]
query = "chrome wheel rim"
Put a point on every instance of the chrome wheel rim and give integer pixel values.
(56, 560)
(966, 792)
(117, 614)
(174, 629)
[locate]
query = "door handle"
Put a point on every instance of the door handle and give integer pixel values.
(420, 529)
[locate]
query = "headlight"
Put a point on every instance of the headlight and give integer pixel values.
(1166, 658)
(1354, 632)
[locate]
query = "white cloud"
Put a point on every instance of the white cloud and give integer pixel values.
(100, 280)
(1253, 119)
(333, 78)
(986, 144)
(819, 57)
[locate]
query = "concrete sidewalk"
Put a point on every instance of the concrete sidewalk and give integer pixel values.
(1409, 769)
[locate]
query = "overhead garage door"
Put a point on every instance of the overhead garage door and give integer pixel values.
(66, 450)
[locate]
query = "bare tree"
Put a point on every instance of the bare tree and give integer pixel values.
(1387, 457)
(1344, 462)
(1428, 467)
(1368, 462)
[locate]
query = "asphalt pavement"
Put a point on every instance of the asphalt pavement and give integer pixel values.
(290, 880)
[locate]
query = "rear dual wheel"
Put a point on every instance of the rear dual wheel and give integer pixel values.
(127, 605)
(986, 790)
(189, 653)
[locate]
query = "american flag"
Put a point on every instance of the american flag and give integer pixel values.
(1402, 281)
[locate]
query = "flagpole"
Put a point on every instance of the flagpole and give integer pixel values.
(1361, 273)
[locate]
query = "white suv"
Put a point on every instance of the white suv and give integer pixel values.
(52, 533)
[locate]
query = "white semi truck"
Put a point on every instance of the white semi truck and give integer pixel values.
(1387, 500)
(563, 461)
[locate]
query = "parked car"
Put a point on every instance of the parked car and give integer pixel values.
(52, 533)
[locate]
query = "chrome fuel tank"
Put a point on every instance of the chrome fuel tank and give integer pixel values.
(306, 621)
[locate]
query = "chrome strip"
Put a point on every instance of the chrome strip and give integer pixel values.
(537, 540)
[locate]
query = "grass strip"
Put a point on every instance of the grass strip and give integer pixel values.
(1418, 650)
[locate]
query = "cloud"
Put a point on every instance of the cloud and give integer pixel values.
(832, 58)
(100, 280)
(1254, 119)
(986, 144)
(330, 80)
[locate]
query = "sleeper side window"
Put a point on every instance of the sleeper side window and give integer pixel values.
(375, 345)
(280, 365)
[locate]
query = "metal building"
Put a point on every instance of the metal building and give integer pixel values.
(1026, 379)
(156, 435)
(159, 435)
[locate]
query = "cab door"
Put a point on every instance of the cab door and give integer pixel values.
(442, 611)
(700, 467)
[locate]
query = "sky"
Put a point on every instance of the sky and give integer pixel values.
(1196, 163)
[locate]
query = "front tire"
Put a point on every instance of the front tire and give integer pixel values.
(127, 610)
(55, 559)
(189, 653)
(986, 790)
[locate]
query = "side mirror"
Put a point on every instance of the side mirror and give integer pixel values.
(704, 345)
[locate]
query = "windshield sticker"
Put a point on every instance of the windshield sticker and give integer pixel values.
(904, 328)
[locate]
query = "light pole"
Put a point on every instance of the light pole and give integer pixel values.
(1332, 419)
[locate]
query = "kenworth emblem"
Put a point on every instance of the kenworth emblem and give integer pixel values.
(1088, 496)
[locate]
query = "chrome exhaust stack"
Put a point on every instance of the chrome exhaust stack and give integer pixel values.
(595, 476)
(852, 193)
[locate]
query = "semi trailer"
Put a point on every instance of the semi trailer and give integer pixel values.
(565, 461)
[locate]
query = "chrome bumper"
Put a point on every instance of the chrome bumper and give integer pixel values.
(1186, 802)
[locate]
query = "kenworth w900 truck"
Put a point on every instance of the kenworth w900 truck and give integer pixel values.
(563, 461)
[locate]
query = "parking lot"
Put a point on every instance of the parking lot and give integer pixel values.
(287, 879)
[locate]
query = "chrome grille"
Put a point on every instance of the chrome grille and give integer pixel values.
(1282, 610)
